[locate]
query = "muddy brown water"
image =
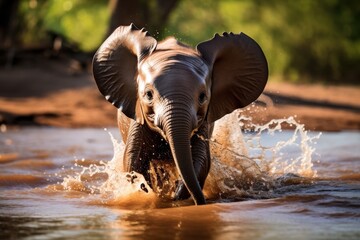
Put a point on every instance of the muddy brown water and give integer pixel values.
(64, 184)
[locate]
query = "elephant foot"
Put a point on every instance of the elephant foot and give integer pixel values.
(131, 176)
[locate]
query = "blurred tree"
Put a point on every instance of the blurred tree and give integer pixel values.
(151, 14)
(304, 40)
(8, 12)
(83, 22)
(80, 22)
(319, 39)
(195, 21)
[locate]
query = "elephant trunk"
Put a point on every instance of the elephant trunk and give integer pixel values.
(177, 128)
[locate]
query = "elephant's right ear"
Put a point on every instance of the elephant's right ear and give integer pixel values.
(115, 66)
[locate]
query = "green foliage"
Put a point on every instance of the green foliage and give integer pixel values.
(83, 22)
(194, 21)
(304, 40)
(29, 22)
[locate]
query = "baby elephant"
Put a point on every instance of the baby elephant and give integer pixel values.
(169, 95)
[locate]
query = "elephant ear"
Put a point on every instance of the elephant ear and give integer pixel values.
(115, 66)
(239, 72)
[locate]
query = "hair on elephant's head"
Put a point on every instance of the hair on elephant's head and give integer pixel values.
(174, 89)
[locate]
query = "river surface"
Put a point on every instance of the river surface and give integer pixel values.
(65, 184)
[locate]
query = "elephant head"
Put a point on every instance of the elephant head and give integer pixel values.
(174, 89)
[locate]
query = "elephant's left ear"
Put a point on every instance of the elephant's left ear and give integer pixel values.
(239, 72)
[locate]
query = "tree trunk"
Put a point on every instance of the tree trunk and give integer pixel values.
(8, 22)
(151, 14)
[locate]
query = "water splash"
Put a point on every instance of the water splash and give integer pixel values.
(108, 184)
(251, 160)
(289, 153)
(248, 161)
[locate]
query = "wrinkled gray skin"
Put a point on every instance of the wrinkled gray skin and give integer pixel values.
(169, 95)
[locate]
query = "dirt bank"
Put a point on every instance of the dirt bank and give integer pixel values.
(59, 93)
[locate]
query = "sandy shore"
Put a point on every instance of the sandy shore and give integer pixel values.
(58, 93)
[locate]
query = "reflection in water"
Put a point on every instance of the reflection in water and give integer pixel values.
(291, 217)
(57, 183)
(173, 224)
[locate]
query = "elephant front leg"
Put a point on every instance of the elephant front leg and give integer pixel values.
(133, 159)
(201, 161)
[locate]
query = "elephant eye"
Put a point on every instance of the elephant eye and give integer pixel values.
(202, 98)
(149, 95)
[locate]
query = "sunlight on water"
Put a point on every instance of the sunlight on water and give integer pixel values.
(248, 163)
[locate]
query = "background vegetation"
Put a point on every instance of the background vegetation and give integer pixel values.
(304, 40)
